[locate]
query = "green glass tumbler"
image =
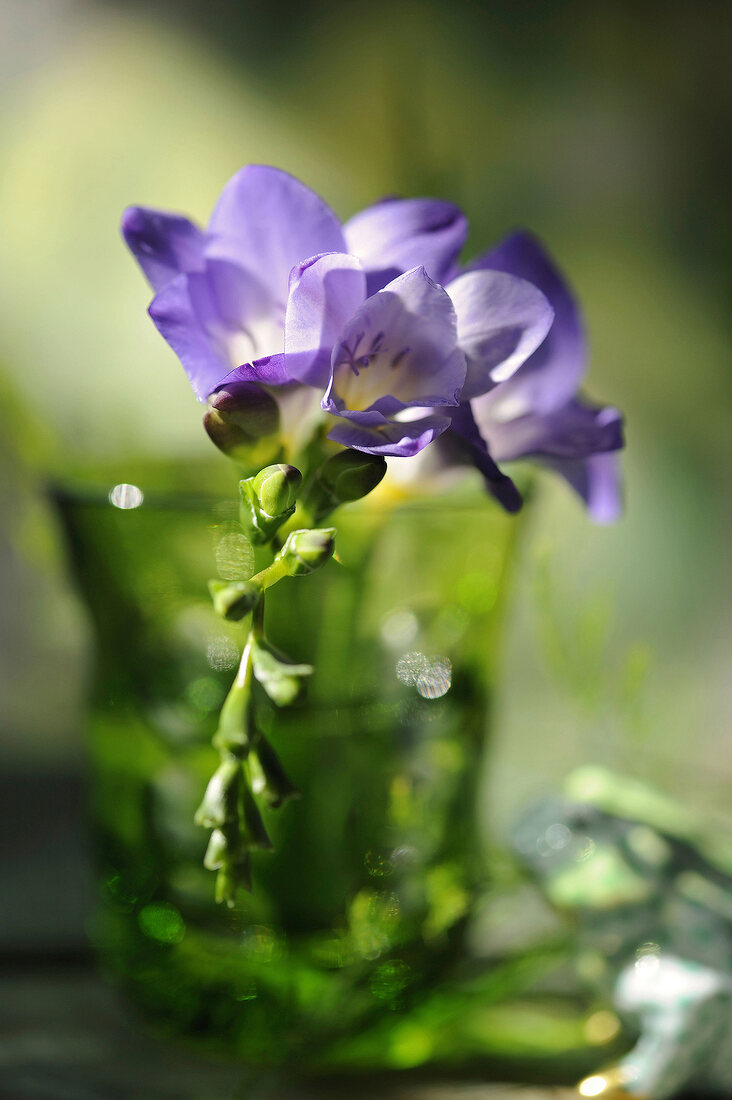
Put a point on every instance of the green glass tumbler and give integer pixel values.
(359, 915)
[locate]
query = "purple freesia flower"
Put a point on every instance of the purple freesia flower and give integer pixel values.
(277, 293)
(394, 363)
(416, 346)
(537, 413)
(221, 294)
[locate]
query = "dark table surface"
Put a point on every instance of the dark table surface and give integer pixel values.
(64, 1035)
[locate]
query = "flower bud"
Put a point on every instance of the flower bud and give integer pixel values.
(306, 550)
(267, 500)
(233, 599)
(218, 852)
(236, 728)
(231, 877)
(221, 801)
(242, 418)
(267, 775)
(277, 488)
(348, 475)
(255, 833)
(280, 677)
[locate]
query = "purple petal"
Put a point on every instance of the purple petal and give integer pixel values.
(325, 292)
(267, 221)
(501, 321)
(396, 235)
(597, 480)
(551, 376)
(269, 371)
(239, 310)
(400, 440)
(398, 351)
(576, 431)
(163, 244)
(463, 443)
(177, 320)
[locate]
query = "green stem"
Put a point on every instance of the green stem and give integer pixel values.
(271, 574)
(257, 627)
(244, 672)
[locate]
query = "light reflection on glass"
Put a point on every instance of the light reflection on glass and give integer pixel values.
(205, 693)
(222, 653)
(126, 496)
(593, 1086)
(410, 667)
(647, 957)
(585, 848)
(557, 836)
(234, 557)
(399, 629)
(432, 676)
(601, 1027)
(404, 856)
(436, 680)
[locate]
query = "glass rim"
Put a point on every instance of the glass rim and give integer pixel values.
(78, 493)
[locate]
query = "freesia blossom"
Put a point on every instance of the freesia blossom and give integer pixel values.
(279, 291)
(396, 362)
(221, 294)
(537, 413)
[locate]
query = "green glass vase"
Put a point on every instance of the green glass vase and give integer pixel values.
(354, 937)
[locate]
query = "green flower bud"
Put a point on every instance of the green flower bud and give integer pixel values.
(255, 833)
(347, 476)
(268, 499)
(233, 599)
(277, 488)
(232, 877)
(221, 848)
(221, 801)
(243, 421)
(236, 722)
(306, 550)
(267, 775)
(280, 677)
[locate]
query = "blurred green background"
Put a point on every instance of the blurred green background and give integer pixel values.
(600, 126)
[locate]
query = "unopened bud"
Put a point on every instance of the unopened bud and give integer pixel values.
(268, 499)
(347, 476)
(280, 677)
(233, 599)
(306, 550)
(232, 877)
(240, 418)
(255, 833)
(236, 722)
(219, 850)
(220, 803)
(277, 488)
(267, 775)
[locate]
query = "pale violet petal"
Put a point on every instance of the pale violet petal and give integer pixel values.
(398, 234)
(398, 350)
(204, 359)
(551, 376)
(501, 320)
(598, 482)
(395, 438)
(267, 221)
(325, 292)
(165, 245)
(576, 431)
